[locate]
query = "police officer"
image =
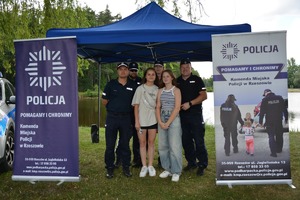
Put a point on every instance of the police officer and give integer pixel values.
(159, 68)
(133, 70)
(230, 115)
(193, 93)
(273, 108)
(133, 75)
(117, 97)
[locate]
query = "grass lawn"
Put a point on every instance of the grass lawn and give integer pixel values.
(94, 185)
(294, 90)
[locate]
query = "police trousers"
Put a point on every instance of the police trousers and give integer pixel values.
(117, 123)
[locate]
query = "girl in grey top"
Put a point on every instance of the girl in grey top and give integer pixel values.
(169, 127)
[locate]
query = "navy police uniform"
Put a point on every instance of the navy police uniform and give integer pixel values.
(230, 115)
(135, 140)
(273, 108)
(118, 119)
(192, 123)
(133, 66)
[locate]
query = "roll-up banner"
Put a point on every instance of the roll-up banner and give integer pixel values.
(46, 138)
(251, 102)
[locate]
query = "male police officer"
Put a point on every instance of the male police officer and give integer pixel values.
(193, 93)
(230, 115)
(133, 75)
(273, 108)
(117, 97)
(159, 68)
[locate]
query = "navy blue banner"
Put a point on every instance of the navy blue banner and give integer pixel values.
(46, 138)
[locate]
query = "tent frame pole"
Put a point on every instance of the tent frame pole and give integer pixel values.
(99, 83)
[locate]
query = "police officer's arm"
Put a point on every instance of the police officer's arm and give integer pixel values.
(105, 94)
(262, 112)
(222, 117)
(240, 117)
(285, 111)
(200, 98)
(286, 115)
(202, 93)
(104, 101)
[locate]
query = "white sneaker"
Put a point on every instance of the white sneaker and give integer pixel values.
(152, 171)
(165, 174)
(175, 177)
(144, 171)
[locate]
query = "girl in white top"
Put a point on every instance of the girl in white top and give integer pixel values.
(144, 102)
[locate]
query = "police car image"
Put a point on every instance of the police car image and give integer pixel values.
(7, 124)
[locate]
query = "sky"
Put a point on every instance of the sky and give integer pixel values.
(262, 15)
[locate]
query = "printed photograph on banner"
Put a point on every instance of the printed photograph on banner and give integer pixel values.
(251, 102)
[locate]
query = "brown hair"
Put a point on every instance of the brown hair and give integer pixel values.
(144, 80)
(161, 83)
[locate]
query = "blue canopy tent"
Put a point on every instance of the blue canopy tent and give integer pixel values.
(145, 36)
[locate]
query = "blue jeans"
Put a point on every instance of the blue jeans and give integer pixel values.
(115, 124)
(170, 146)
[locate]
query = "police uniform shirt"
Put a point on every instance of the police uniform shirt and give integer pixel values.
(137, 80)
(190, 89)
(273, 107)
(119, 96)
(230, 114)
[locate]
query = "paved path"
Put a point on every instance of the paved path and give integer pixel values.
(261, 147)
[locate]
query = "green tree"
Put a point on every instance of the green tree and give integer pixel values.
(293, 73)
(18, 20)
(297, 79)
(105, 17)
(193, 9)
(26, 19)
(88, 73)
(208, 83)
(63, 14)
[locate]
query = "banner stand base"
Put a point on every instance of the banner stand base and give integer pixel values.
(34, 179)
(230, 183)
(292, 186)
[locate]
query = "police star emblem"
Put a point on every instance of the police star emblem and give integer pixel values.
(230, 51)
(37, 60)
